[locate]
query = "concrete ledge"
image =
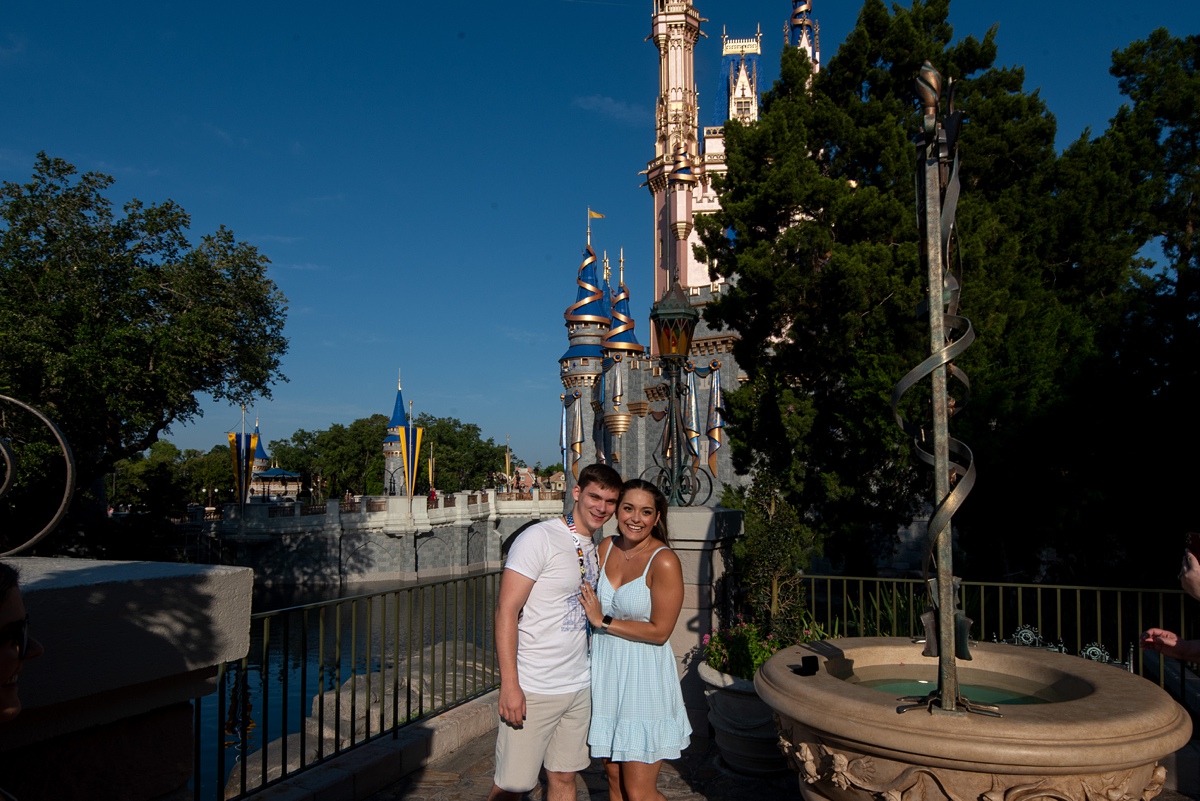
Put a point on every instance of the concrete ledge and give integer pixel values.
(124, 638)
(368, 769)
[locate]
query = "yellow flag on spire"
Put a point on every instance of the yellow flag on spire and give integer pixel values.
(595, 215)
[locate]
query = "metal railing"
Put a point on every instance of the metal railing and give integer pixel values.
(324, 678)
(1088, 621)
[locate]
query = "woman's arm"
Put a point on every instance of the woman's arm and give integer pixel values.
(1169, 643)
(665, 581)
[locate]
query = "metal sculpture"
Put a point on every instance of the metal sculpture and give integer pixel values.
(949, 335)
(12, 464)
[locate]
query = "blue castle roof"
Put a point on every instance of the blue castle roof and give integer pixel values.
(591, 304)
(260, 452)
(729, 67)
(399, 412)
(589, 351)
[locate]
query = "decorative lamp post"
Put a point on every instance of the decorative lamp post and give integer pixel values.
(674, 321)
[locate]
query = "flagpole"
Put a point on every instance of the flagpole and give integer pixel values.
(242, 467)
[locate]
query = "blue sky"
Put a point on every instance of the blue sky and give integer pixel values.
(419, 173)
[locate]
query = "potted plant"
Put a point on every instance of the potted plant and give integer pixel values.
(743, 726)
(767, 562)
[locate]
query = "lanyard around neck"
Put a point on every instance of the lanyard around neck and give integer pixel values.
(578, 545)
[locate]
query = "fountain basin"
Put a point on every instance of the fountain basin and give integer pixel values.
(1101, 734)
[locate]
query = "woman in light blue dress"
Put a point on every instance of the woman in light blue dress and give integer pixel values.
(638, 718)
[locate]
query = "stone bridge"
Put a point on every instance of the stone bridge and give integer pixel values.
(389, 538)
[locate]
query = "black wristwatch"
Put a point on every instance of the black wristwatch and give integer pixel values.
(604, 624)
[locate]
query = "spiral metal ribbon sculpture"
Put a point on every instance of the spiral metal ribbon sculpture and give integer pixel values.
(12, 463)
(950, 334)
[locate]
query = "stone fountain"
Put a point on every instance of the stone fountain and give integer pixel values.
(1076, 730)
(1099, 735)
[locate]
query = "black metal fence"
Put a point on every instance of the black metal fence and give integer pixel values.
(1101, 623)
(324, 678)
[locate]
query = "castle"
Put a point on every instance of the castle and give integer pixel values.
(614, 403)
(615, 392)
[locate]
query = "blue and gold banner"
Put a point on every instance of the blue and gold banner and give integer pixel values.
(241, 448)
(410, 452)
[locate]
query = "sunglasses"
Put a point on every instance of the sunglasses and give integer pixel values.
(16, 633)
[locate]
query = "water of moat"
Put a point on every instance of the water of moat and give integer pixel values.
(228, 717)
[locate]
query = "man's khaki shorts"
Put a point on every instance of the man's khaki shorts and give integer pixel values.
(554, 735)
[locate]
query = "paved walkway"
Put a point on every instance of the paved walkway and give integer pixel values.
(457, 748)
(466, 775)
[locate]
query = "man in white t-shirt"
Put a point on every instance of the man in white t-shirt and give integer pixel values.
(541, 645)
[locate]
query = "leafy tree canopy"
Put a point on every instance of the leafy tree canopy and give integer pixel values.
(114, 323)
(350, 458)
(826, 277)
(464, 460)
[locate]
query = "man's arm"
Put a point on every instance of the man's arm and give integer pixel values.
(514, 591)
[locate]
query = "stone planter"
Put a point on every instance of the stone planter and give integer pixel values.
(1101, 737)
(744, 726)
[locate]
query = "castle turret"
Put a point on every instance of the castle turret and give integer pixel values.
(262, 461)
(675, 31)
(621, 352)
(588, 322)
(620, 337)
(803, 31)
(393, 458)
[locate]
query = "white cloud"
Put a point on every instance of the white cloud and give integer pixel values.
(615, 109)
(14, 47)
(217, 132)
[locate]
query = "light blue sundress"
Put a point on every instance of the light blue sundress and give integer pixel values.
(637, 706)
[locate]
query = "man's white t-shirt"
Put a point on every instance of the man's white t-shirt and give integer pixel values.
(552, 656)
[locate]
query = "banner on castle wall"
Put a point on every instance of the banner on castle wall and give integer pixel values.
(691, 416)
(716, 419)
(410, 453)
(562, 431)
(241, 448)
(577, 438)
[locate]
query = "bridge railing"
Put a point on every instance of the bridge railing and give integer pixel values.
(324, 678)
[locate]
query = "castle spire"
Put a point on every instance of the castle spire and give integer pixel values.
(620, 337)
(802, 30)
(738, 97)
(588, 320)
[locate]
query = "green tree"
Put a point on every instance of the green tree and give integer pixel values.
(299, 455)
(350, 458)
(209, 476)
(819, 196)
(115, 324)
(153, 482)
(464, 460)
(776, 546)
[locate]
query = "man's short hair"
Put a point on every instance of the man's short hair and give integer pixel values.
(600, 474)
